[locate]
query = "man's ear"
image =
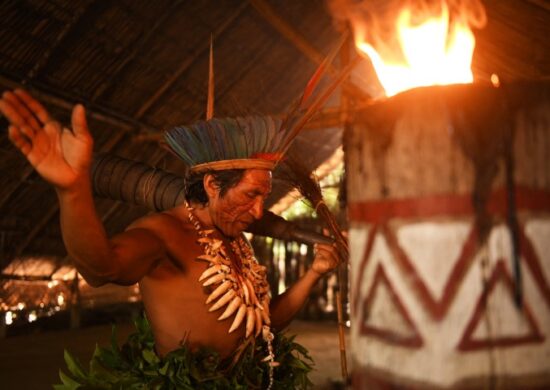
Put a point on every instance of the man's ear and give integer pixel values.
(210, 186)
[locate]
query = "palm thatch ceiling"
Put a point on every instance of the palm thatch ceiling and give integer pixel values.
(140, 67)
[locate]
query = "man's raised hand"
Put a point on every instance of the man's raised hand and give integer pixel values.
(59, 155)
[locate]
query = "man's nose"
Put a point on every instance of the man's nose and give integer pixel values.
(257, 209)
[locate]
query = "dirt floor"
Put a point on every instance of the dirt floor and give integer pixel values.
(33, 361)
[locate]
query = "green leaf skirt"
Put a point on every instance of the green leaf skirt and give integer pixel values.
(135, 365)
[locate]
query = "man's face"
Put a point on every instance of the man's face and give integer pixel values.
(242, 204)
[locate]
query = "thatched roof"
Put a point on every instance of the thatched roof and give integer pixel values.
(141, 67)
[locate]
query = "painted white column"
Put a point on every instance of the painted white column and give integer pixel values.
(432, 272)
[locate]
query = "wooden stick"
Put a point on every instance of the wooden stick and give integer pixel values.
(341, 334)
(306, 183)
(344, 107)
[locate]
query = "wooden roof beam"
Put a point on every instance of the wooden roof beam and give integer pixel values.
(59, 41)
(287, 31)
(97, 112)
(81, 21)
(142, 44)
(184, 66)
(541, 3)
(301, 43)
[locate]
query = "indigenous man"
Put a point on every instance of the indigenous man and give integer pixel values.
(168, 253)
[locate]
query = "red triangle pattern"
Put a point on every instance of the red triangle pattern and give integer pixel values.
(413, 340)
(467, 343)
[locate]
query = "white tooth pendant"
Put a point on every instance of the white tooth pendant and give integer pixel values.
(212, 270)
(231, 308)
(265, 311)
(221, 289)
(214, 279)
(209, 272)
(239, 317)
(258, 325)
(244, 290)
(250, 321)
(223, 300)
(210, 259)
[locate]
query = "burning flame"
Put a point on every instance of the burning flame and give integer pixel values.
(434, 52)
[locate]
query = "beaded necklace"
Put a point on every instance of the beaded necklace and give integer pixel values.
(241, 287)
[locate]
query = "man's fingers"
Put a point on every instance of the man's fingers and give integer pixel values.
(19, 140)
(325, 247)
(10, 112)
(28, 132)
(33, 104)
(78, 119)
(52, 129)
(24, 111)
(324, 251)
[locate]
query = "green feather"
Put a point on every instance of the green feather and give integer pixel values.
(261, 131)
(248, 133)
(204, 142)
(230, 147)
(239, 146)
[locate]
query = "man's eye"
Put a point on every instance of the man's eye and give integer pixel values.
(251, 195)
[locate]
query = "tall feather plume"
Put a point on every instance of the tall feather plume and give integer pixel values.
(297, 109)
(303, 118)
(210, 99)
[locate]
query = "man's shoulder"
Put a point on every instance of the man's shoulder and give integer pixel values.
(163, 222)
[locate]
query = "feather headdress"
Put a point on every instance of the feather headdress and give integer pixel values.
(249, 142)
(239, 143)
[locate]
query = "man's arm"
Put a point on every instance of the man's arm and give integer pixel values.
(63, 157)
(124, 259)
(287, 305)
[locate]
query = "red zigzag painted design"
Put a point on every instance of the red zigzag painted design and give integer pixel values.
(439, 307)
(379, 212)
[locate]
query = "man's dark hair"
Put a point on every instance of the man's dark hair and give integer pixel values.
(226, 179)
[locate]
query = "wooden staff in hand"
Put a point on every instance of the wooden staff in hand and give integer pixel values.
(296, 173)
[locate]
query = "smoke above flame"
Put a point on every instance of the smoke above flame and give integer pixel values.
(414, 43)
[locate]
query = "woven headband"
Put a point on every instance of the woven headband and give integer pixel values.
(243, 163)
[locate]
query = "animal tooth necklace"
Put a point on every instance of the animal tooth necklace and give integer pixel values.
(242, 289)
